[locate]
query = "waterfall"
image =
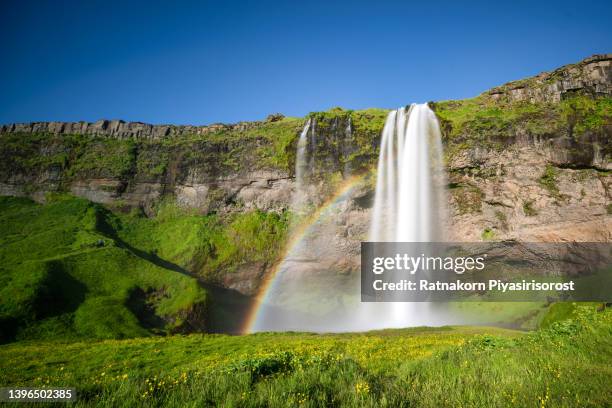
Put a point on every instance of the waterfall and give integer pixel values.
(347, 147)
(302, 166)
(410, 202)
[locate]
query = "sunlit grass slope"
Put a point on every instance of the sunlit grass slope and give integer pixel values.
(64, 273)
(74, 269)
(207, 245)
(567, 364)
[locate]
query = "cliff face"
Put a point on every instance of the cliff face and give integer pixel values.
(534, 162)
(120, 129)
(213, 167)
(529, 160)
(592, 76)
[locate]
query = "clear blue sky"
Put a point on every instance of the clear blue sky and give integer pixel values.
(205, 62)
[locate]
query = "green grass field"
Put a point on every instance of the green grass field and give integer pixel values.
(565, 365)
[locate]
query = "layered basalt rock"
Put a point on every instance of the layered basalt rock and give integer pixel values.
(592, 75)
(124, 130)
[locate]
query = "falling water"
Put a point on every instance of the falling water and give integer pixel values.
(348, 146)
(409, 201)
(301, 167)
(409, 204)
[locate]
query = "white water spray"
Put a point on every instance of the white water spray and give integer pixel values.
(409, 205)
(301, 168)
(410, 202)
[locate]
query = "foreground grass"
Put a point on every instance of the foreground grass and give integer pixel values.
(567, 364)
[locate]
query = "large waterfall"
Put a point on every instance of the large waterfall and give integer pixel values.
(307, 291)
(409, 204)
(410, 201)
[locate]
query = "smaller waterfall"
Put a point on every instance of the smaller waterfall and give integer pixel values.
(302, 166)
(313, 146)
(348, 147)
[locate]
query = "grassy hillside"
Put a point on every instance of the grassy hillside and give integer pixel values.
(65, 273)
(74, 269)
(207, 245)
(566, 364)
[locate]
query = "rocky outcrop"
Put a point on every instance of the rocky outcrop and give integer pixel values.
(520, 193)
(593, 75)
(128, 130)
(266, 191)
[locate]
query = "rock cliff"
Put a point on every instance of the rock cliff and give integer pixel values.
(120, 129)
(529, 160)
(592, 75)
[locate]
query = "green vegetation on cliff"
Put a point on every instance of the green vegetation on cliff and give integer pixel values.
(584, 114)
(225, 151)
(481, 117)
(66, 158)
(489, 123)
(548, 180)
(207, 245)
(349, 136)
(79, 155)
(61, 159)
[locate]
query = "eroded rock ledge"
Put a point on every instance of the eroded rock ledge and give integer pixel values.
(129, 130)
(593, 75)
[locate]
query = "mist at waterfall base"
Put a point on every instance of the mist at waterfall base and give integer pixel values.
(308, 292)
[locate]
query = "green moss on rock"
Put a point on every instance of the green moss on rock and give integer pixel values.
(548, 180)
(467, 198)
(528, 208)
(493, 123)
(208, 245)
(488, 234)
(585, 114)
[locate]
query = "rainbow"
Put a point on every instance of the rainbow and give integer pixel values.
(297, 236)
